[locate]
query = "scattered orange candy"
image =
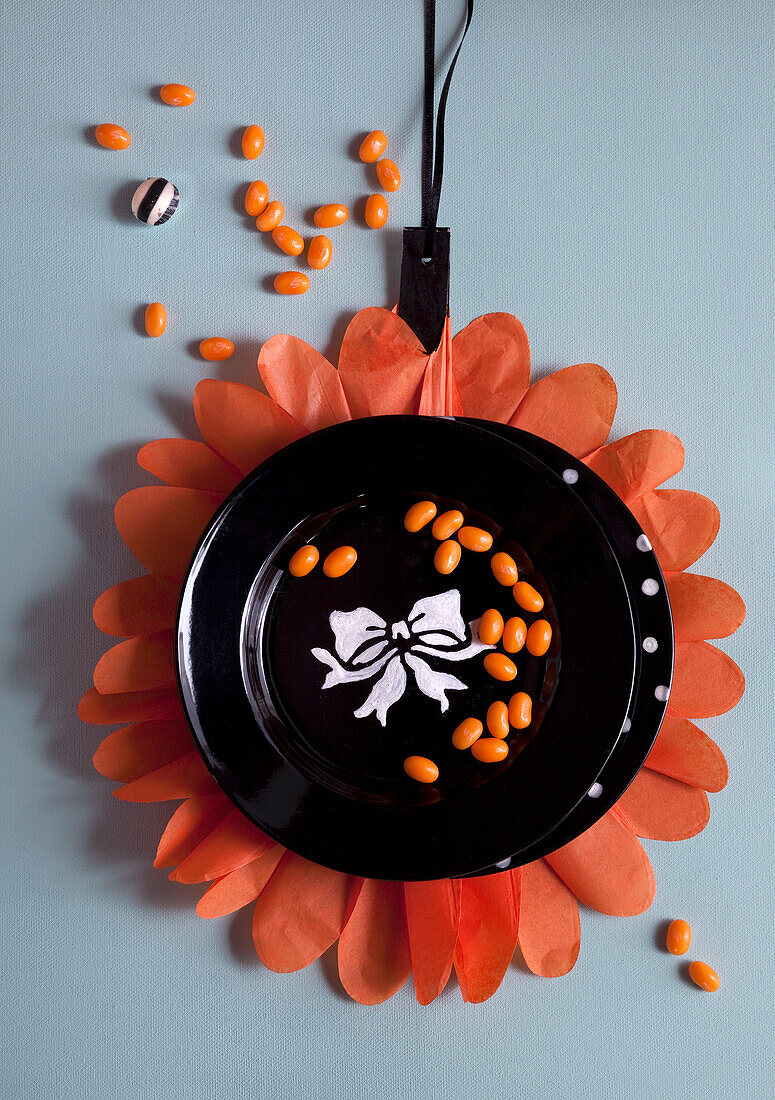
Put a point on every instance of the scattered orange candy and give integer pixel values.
(291, 282)
(679, 937)
(303, 561)
(489, 750)
(256, 198)
(372, 146)
(155, 319)
(469, 730)
(527, 597)
(418, 515)
(474, 538)
(500, 667)
(376, 211)
(504, 569)
(215, 348)
(388, 175)
(520, 710)
(491, 627)
(498, 719)
(288, 240)
(421, 768)
(447, 557)
(112, 136)
(539, 637)
(253, 142)
(177, 95)
(340, 561)
(331, 215)
(319, 252)
(270, 217)
(514, 634)
(447, 524)
(704, 976)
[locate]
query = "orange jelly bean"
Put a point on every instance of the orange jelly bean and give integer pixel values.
(527, 597)
(253, 142)
(331, 215)
(340, 561)
(679, 937)
(303, 561)
(469, 730)
(388, 175)
(474, 538)
(376, 211)
(419, 515)
(288, 240)
(447, 557)
(489, 750)
(520, 710)
(319, 252)
(215, 348)
(491, 627)
(446, 524)
(372, 146)
(270, 217)
(498, 719)
(504, 569)
(256, 198)
(177, 95)
(421, 768)
(539, 637)
(704, 976)
(112, 136)
(291, 282)
(155, 319)
(500, 667)
(514, 634)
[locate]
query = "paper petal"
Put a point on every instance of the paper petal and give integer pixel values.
(243, 425)
(549, 926)
(684, 752)
(143, 605)
(162, 525)
(135, 750)
(179, 779)
(680, 525)
(134, 706)
(432, 918)
(138, 664)
(606, 868)
(439, 395)
(487, 935)
(381, 364)
(192, 821)
(703, 607)
(234, 842)
(302, 382)
(661, 808)
(705, 681)
(188, 463)
(300, 913)
(373, 948)
(491, 365)
(237, 889)
(574, 408)
(639, 462)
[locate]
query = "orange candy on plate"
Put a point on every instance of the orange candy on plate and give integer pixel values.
(498, 719)
(419, 515)
(679, 937)
(514, 634)
(474, 538)
(421, 769)
(112, 136)
(376, 211)
(388, 175)
(527, 597)
(252, 142)
(520, 710)
(256, 198)
(177, 95)
(539, 637)
(291, 282)
(500, 667)
(491, 627)
(303, 561)
(215, 348)
(372, 146)
(340, 561)
(469, 730)
(489, 750)
(447, 557)
(319, 252)
(504, 569)
(270, 217)
(704, 976)
(288, 240)
(447, 523)
(331, 215)
(155, 319)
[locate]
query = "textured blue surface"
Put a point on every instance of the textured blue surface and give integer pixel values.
(610, 181)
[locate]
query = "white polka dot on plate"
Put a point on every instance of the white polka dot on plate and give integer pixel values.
(595, 790)
(503, 863)
(650, 587)
(662, 693)
(570, 477)
(643, 543)
(651, 645)
(626, 725)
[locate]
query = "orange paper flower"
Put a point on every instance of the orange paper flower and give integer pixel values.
(387, 930)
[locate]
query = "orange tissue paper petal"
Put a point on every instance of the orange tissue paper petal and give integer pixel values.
(188, 463)
(237, 889)
(549, 928)
(639, 462)
(179, 779)
(234, 842)
(661, 808)
(703, 607)
(705, 681)
(243, 425)
(302, 382)
(300, 913)
(162, 525)
(607, 868)
(192, 821)
(143, 605)
(684, 752)
(432, 918)
(133, 706)
(381, 364)
(573, 408)
(681, 525)
(136, 750)
(373, 952)
(487, 935)
(138, 664)
(439, 396)
(491, 364)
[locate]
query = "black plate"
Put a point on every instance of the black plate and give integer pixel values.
(294, 758)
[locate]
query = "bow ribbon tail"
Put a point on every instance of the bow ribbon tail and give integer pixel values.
(431, 683)
(387, 690)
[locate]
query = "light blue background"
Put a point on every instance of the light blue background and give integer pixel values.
(610, 181)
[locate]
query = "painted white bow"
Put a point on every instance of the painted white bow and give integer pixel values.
(365, 645)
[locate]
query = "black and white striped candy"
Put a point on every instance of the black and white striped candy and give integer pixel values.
(155, 201)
